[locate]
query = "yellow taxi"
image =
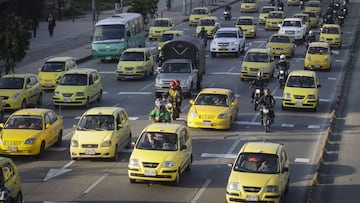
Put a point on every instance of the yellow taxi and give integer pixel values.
(211, 25)
(274, 20)
(247, 24)
(135, 63)
(2, 110)
(160, 25)
(331, 33)
(53, 69)
(10, 177)
(314, 18)
(318, 56)
(167, 36)
(314, 6)
(213, 108)
(293, 2)
(249, 6)
(257, 60)
(306, 19)
(301, 90)
(281, 44)
(78, 87)
(162, 152)
(264, 12)
(20, 91)
(197, 14)
(30, 132)
(102, 132)
(260, 173)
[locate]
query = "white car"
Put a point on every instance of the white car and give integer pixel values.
(228, 40)
(295, 28)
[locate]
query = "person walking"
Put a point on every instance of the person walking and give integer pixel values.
(51, 24)
(34, 26)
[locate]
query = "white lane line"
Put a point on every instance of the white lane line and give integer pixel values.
(201, 191)
(57, 149)
(231, 69)
(136, 93)
(287, 125)
(302, 160)
(68, 135)
(332, 78)
(299, 59)
(313, 126)
(246, 123)
(146, 86)
(95, 183)
(105, 92)
(133, 118)
(340, 61)
(226, 156)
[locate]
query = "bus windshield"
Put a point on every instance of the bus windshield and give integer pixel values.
(109, 32)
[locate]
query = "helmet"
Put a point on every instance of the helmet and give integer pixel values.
(282, 57)
(310, 32)
(203, 28)
(177, 82)
(158, 102)
(259, 74)
(172, 84)
(267, 91)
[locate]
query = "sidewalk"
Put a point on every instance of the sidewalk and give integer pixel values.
(74, 38)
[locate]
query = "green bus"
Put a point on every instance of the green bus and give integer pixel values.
(115, 34)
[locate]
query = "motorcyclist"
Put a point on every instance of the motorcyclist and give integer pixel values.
(178, 87)
(159, 113)
(310, 38)
(281, 5)
(283, 62)
(258, 83)
(174, 94)
(203, 35)
(268, 100)
(227, 12)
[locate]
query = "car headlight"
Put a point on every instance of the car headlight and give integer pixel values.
(287, 95)
(134, 162)
(106, 143)
(159, 48)
(308, 58)
(30, 141)
(213, 43)
(193, 114)
(235, 43)
(57, 93)
(151, 30)
(158, 81)
(119, 68)
(264, 70)
(16, 96)
(168, 164)
(252, 30)
(74, 143)
(244, 68)
(271, 188)
(234, 186)
(222, 116)
(322, 39)
(80, 94)
(311, 96)
(187, 82)
(139, 68)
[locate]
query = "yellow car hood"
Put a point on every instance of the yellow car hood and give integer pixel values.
(70, 88)
(19, 134)
(278, 45)
(207, 109)
(246, 27)
(49, 75)
(332, 36)
(253, 179)
(92, 136)
(199, 16)
(300, 91)
(255, 64)
(154, 155)
(131, 63)
(10, 92)
(251, 5)
(207, 28)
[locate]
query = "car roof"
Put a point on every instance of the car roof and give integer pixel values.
(228, 29)
(215, 91)
(109, 110)
(210, 17)
(309, 73)
(246, 17)
(261, 147)
(292, 19)
(138, 49)
(163, 127)
(319, 44)
(80, 71)
(205, 8)
(168, 19)
(277, 12)
(331, 25)
(60, 59)
(31, 111)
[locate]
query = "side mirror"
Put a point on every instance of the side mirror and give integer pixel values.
(47, 126)
(233, 104)
(230, 165)
(1, 125)
(28, 86)
(183, 147)
(285, 169)
(318, 86)
(191, 101)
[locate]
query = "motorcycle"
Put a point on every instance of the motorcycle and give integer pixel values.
(227, 13)
(266, 119)
(282, 75)
(171, 106)
(302, 4)
(341, 19)
(258, 92)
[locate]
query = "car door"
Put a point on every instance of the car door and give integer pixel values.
(184, 154)
(284, 164)
(148, 60)
(234, 108)
(121, 128)
(49, 131)
(56, 125)
(97, 83)
(8, 177)
(30, 91)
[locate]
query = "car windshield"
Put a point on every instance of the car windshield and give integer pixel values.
(244, 22)
(330, 30)
(291, 23)
(109, 32)
(53, 67)
(158, 141)
(313, 4)
(198, 11)
(280, 39)
(212, 100)
(11, 83)
(226, 35)
(176, 68)
(257, 163)
(275, 15)
(166, 37)
(96, 122)
(257, 57)
(249, 1)
(301, 81)
(311, 14)
(74, 79)
(161, 23)
(267, 10)
(318, 50)
(206, 22)
(33, 122)
(132, 56)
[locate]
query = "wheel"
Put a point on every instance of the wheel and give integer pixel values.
(128, 144)
(213, 55)
(99, 99)
(116, 154)
(23, 104)
(59, 139)
(41, 150)
(177, 179)
(188, 168)
(158, 94)
(87, 104)
(198, 84)
(255, 106)
(39, 100)
(131, 180)
(2, 115)
(19, 198)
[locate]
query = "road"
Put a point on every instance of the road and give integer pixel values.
(56, 178)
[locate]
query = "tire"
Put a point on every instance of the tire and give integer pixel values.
(198, 84)
(116, 154)
(255, 106)
(213, 55)
(87, 104)
(131, 180)
(177, 179)
(158, 94)
(188, 168)
(41, 150)
(128, 144)
(99, 99)
(59, 139)
(2, 116)
(23, 104)
(39, 100)
(19, 198)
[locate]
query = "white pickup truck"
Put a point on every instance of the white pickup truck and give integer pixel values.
(295, 28)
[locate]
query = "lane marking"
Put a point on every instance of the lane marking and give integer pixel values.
(135, 93)
(339, 60)
(302, 160)
(57, 149)
(201, 191)
(246, 123)
(226, 156)
(313, 126)
(53, 172)
(133, 118)
(95, 183)
(287, 125)
(146, 86)
(332, 78)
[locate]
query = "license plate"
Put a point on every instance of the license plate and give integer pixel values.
(128, 73)
(108, 58)
(206, 123)
(150, 173)
(90, 152)
(252, 198)
(13, 149)
(277, 52)
(48, 85)
(67, 100)
(223, 48)
(298, 103)
(317, 66)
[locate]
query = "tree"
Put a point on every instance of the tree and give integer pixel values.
(14, 40)
(147, 8)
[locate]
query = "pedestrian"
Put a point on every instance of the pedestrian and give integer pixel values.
(34, 26)
(51, 24)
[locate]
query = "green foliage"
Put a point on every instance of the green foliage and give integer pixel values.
(14, 39)
(147, 8)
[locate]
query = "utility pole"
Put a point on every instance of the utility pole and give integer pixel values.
(93, 7)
